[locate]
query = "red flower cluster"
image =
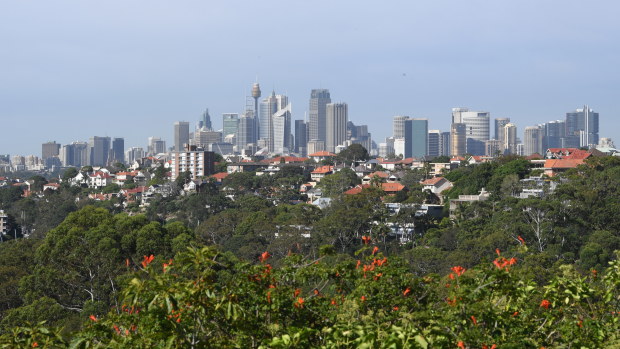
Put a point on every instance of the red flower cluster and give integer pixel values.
(458, 270)
(366, 240)
(93, 318)
(545, 304)
(166, 265)
(406, 292)
(147, 260)
(375, 250)
(503, 263)
(521, 240)
(299, 303)
(264, 256)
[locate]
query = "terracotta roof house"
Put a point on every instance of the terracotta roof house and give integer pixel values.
(555, 166)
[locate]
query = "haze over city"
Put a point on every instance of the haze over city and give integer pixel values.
(71, 70)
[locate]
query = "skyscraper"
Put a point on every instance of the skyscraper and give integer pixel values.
(99, 150)
(554, 133)
(416, 138)
(319, 98)
(269, 107)
(181, 135)
(118, 150)
(301, 139)
(533, 140)
(205, 120)
(246, 132)
(476, 130)
(583, 123)
(445, 144)
(230, 122)
(434, 143)
(510, 138)
(156, 146)
(457, 139)
(499, 128)
(398, 126)
(336, 125)
(49, 150)
(281, 125)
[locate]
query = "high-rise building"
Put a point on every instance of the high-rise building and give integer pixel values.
(199, 162)
(434, 143)
(336, 125)
(269, 107)
(398, 126)
(476, 131)
(118, 150)
(583, 123)
(494, 147)
(133, 154)
(49, 149)
(533, 140)
(458, 139)
(510, 138)
(416, 138)
(444, 143)
(301, 137)
(554, 133)
(281, 135)
(230, 122)
(246, 132)
(499, 128)
(358, 134)
(181, 135)
(156, 146)
(315, 146)
(319, 98)
(99, 150)
(204, 137)
(205, 121)
(75, 154)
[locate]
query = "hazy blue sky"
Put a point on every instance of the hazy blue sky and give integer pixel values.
(73, 69)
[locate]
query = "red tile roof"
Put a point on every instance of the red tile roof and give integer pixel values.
(562, 163)
(322, 153)
(392, 187)
(287, 159)
(432, 181)
(220, 175)
(379, 174)
(323, 169)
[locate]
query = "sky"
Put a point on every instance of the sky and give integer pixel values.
(70, 70)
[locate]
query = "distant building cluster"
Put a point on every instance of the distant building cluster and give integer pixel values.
(266, 128)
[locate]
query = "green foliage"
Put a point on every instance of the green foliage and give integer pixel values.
(337, 183)
(354, 152)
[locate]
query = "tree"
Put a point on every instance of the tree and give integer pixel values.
(354, 152)
(336, 183)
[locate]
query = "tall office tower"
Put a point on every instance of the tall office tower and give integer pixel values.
(118, 150)
(156, 146)
(134, 153)
(337, 116)
(181, 135)
(476, 130)
(315, 146)
(268, 109)
(434, 143)
(444, 143)
(66, 155)
(49, 149)
(230, 122)
(416, 138)
(458, 139)
(510, 138)
(533, 140)
(246, 131)
(554, 133)
(281, 124)
(493, 147)
(99, 150)
(499, 128)
(319, 98)
(398, 126)
(301, 137)
(583, 123)
(204, 137)
(205, 121)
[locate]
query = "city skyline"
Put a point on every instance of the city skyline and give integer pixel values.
(131, 70)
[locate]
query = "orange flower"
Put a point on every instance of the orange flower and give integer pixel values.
(147, 260)
(93, 318)
(461, 345)
(377, 276)
(118, 331)
(515, 313)
(494, 346)
(297, 292)
(497, 251)
(357, 266)
(264, 256)
(35, 344)
(458, 270)
(375, 250)
(333, 302)
(512, 261)
(580, 323)
(395, 308)
(299, 303)
(594, 272)
(366, 240)
(521, 240)
(451, 276)
(127, 262)
(316, 292)
(473, 319)
(545, 304)
(269, 297)
(363, 298)
(406, 292)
